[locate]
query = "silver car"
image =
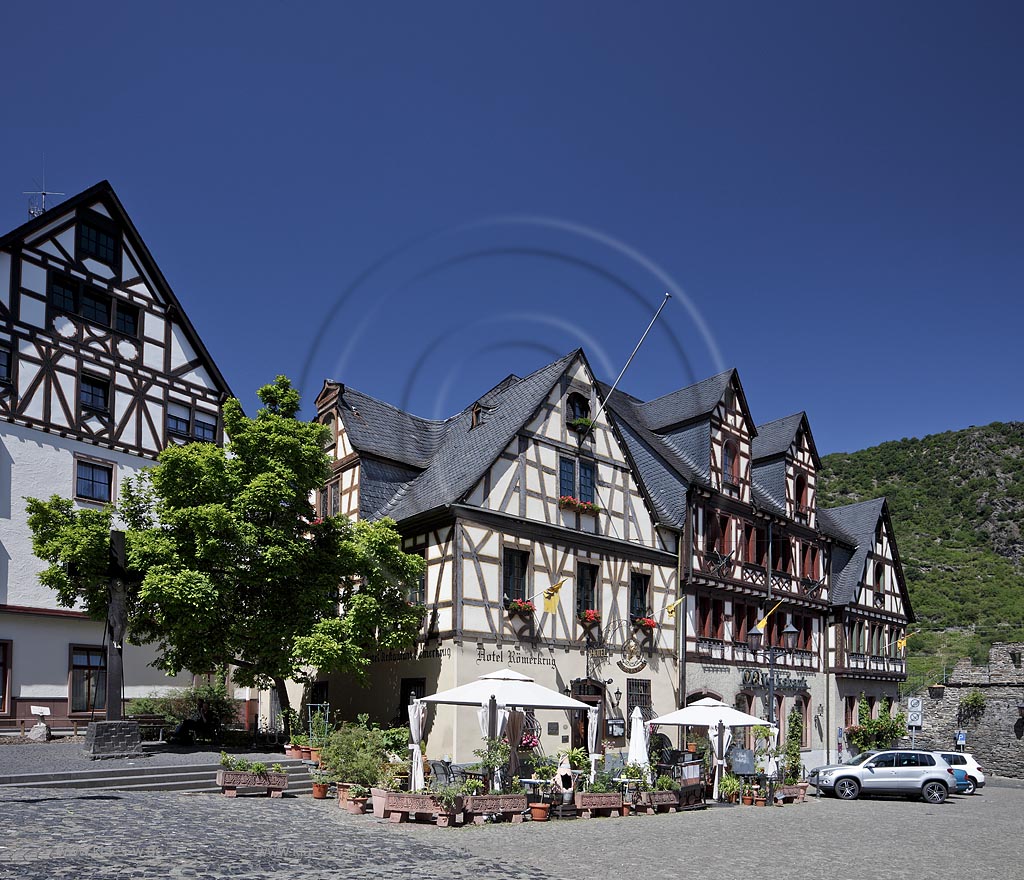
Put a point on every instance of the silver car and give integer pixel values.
(887, 771)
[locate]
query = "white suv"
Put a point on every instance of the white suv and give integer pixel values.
(965, 761)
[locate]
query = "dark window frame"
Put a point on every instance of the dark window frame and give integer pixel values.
(201, 420)
(97, 381)
(579, 406)
(565, 479)
(639, 584)
(417, 593)
(95, 465)
(94, 689)
(515, 574)
(6, 365)
(104, 246)
(6, 653)
(587, 592)
(72, 294)
(638, 693)
(587, 491)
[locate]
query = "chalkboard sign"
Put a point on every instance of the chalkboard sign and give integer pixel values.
(742, 762)
(615, 727)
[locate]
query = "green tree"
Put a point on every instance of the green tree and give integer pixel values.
(230, 564)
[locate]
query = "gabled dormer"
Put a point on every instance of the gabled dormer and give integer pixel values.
(786, 464)
(710, 426)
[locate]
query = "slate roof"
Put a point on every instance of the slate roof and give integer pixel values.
(686, 404)
(775, 438)
(379, 428)
(857, 524)
(463, 454)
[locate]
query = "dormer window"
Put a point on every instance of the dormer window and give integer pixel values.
(579, 407)
(476, 416)
(730, 398)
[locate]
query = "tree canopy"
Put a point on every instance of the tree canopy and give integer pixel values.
(230, 565)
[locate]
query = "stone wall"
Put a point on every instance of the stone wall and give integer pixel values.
(995, 736)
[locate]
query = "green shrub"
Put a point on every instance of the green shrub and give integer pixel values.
(355, 754)
(183, 704)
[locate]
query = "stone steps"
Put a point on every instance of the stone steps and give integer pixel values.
(183, 777)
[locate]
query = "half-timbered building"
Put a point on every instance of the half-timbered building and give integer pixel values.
(674, 525)
(100, 369)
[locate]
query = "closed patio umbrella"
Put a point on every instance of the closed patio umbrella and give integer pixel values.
(593, 737)
(417, 712)
(514, 732)
(638, 740)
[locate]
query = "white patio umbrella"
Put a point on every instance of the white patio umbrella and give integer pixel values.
(510, 689)
(417, 712)
(707, 713)
(638, 740)
(593, 737)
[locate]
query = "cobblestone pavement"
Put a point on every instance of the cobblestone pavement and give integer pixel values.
(76, 834)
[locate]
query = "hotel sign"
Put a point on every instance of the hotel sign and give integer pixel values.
(756, 678)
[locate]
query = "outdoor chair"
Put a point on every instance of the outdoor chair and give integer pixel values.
(440, 774)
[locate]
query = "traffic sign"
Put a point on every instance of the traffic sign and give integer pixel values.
(915, 704)
(914, 719)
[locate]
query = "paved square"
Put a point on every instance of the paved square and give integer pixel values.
(77, 834)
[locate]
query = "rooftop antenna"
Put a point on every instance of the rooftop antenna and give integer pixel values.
(37, 206)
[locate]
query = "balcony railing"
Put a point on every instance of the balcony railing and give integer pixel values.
(753, 574)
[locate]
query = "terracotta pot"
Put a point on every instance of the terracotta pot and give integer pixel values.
(626, 808)
(357, 805)
(539, 812)
(748, 800)
(760, 802)
(291, 751)
(691, 747)
(343, 797)
(377, 799)
(314, 754)
(320, 790)
(305, 752)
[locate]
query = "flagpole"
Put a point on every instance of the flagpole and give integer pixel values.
(615, 384)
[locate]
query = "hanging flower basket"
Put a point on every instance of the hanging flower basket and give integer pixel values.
(580, 425)
(590, 617)
(648, 623)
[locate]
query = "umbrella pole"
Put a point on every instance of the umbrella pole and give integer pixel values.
(492, 733)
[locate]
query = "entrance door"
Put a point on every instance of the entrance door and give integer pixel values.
(591, 692)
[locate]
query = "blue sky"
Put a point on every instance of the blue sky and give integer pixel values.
(418, 199)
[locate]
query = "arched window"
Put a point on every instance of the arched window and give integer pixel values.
(880, 577)
(331, 441)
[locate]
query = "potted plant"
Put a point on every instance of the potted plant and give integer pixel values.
(664, 797)
(580, 425)
(747, 796)
(358, 795)
(590, 617)
(300, 741)
(238, 773)
(321, 782)
(645, 623)
(448, 802)
(319, 732)
(729, 787)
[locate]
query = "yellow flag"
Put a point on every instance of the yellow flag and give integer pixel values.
(551, 597)
(670, 610)
(764, 620)
(901, 643)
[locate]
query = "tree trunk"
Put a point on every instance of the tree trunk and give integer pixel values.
(282, 699)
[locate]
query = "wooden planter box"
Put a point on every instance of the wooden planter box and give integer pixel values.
(231, 780)
(691, 797)
(511, 806)
(590, 802)
(658, 801)
(796, 793)
(400, 806)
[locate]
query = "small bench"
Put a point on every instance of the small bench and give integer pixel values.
(150, 724)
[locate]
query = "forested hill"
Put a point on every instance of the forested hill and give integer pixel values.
(957, 504)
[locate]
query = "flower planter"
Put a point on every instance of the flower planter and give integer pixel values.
(357, 805)
(510, 806)
(231, 780)
(291, 751)
(377, 796)
(760, 802)
(539, 812)
(590, 802)
(314, 754)
(659, 801)
(320, 790)
(794, 792)
(748, 800)
(399, 806)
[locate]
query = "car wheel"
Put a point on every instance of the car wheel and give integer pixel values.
(972, 786)
(847, 789)
(934, 792)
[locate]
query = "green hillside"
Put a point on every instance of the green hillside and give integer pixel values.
(957, 504)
